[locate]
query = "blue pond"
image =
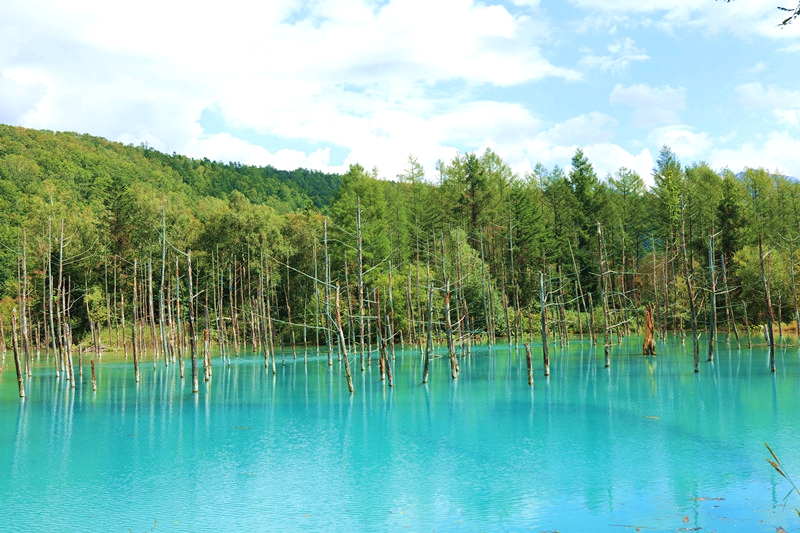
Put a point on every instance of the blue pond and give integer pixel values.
(646, 444)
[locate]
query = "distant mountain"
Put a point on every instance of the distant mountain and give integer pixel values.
(740, 175)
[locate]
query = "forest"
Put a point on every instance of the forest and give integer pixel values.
(105, 246)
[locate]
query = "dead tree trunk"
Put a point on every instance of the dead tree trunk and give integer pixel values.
(206, 346)
(15, 346)
(691, 294)
(23, 314)
(488, 312)
(604, 300)
(729, 315)
(152, 311)
(656, 307)
(451, 350)
(328, 337)
(289, 310)
(3, 342)
(543, 307)
(360, 279)
(410, 317)
(530, 363)
(270, 331)
(124, 341)
(178, 319)
(161, 315)
(429, 338)
(768, 302)
(747, 326)
(263, 312)
(390, 320)
(342, 345)
(135, 302)
(234, 310)
(192, 329)
(351, 327)
(381, 353)
(562, 311)
(649, 347)
(712, 327)
(316, 299)
(504, 299)
(591, 320)
(117, 336)
(57, 353)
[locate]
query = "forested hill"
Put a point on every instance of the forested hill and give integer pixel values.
(88, 165)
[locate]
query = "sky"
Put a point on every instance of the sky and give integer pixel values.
(326, 84)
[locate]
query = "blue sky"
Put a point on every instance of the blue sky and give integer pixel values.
(326, 84)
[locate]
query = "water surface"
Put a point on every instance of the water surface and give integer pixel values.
(647, 443)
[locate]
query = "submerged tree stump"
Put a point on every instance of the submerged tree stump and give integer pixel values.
(649, 346)
(530, 363)
(15, 345)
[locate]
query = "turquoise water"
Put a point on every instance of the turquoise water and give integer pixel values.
(646, 444)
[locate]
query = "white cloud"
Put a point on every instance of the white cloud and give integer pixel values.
(743, 19)
(381, 81)
(607, 158)
(18, 99)
(777, 152)
(621, 55)
(556, 144)
(756, 95)
(686, 143)
(584, 129)
(790, 117)
(526, 3)
(224, 147)
(653, 106)
(785, 103)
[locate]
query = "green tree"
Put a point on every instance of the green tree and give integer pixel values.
(668, 177)
(359, 186)
(731, 219)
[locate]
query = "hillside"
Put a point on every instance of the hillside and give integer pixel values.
(88, 165)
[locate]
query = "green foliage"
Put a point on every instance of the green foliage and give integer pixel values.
(360, 188)
(668, 189)
(730, 216)
(499, 230)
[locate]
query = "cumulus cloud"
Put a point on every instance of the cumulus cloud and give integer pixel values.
(621, 55)
(555, 144)
(653, 106)
(589, 128)
(378, 81)
(607, 158)
(381, 81)
(742, 19)
(18, 99)
(225, 147)
(777, 153)
(688, 144)
(785, 103)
